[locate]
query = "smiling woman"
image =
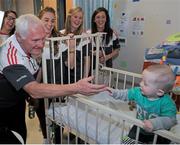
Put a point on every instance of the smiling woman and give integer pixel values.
(8, 25)
(48, 17)
(100, 22)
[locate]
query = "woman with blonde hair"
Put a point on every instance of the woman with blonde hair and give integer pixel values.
(74, 48)
(74, 21)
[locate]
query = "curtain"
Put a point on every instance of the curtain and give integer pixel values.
(8, 5)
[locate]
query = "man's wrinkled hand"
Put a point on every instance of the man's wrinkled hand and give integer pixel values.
(85, 87)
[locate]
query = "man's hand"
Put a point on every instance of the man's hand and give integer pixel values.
(86, 88)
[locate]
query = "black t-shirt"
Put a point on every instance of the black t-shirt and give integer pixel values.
(80, 55)
(12, 80)
(108, 49)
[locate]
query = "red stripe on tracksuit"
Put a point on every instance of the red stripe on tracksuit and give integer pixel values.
(15, 56)
(11, 55)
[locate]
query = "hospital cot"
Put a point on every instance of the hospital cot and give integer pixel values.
(98, 118)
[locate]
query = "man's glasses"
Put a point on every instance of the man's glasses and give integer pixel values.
(10, 18)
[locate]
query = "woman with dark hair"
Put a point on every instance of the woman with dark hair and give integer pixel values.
(100, 22)
(8, 25)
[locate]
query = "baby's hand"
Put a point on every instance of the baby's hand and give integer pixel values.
(110, 91)
(148, 125)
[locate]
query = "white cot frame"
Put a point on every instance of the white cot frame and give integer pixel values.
(116, 79)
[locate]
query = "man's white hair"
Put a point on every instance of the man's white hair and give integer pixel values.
(26, 21)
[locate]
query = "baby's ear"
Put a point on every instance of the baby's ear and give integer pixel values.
(160, 92)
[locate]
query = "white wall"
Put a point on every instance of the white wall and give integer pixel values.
(156, 29)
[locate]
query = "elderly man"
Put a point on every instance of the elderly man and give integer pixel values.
(18, 68)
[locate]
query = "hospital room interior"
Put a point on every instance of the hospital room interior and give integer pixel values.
(140, 33)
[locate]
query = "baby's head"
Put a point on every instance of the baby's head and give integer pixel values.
(157, 80)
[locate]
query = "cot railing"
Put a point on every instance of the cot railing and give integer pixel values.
(115, 79)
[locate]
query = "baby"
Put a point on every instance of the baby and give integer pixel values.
(154, 105)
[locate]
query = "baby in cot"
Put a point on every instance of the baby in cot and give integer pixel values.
(154, 105)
